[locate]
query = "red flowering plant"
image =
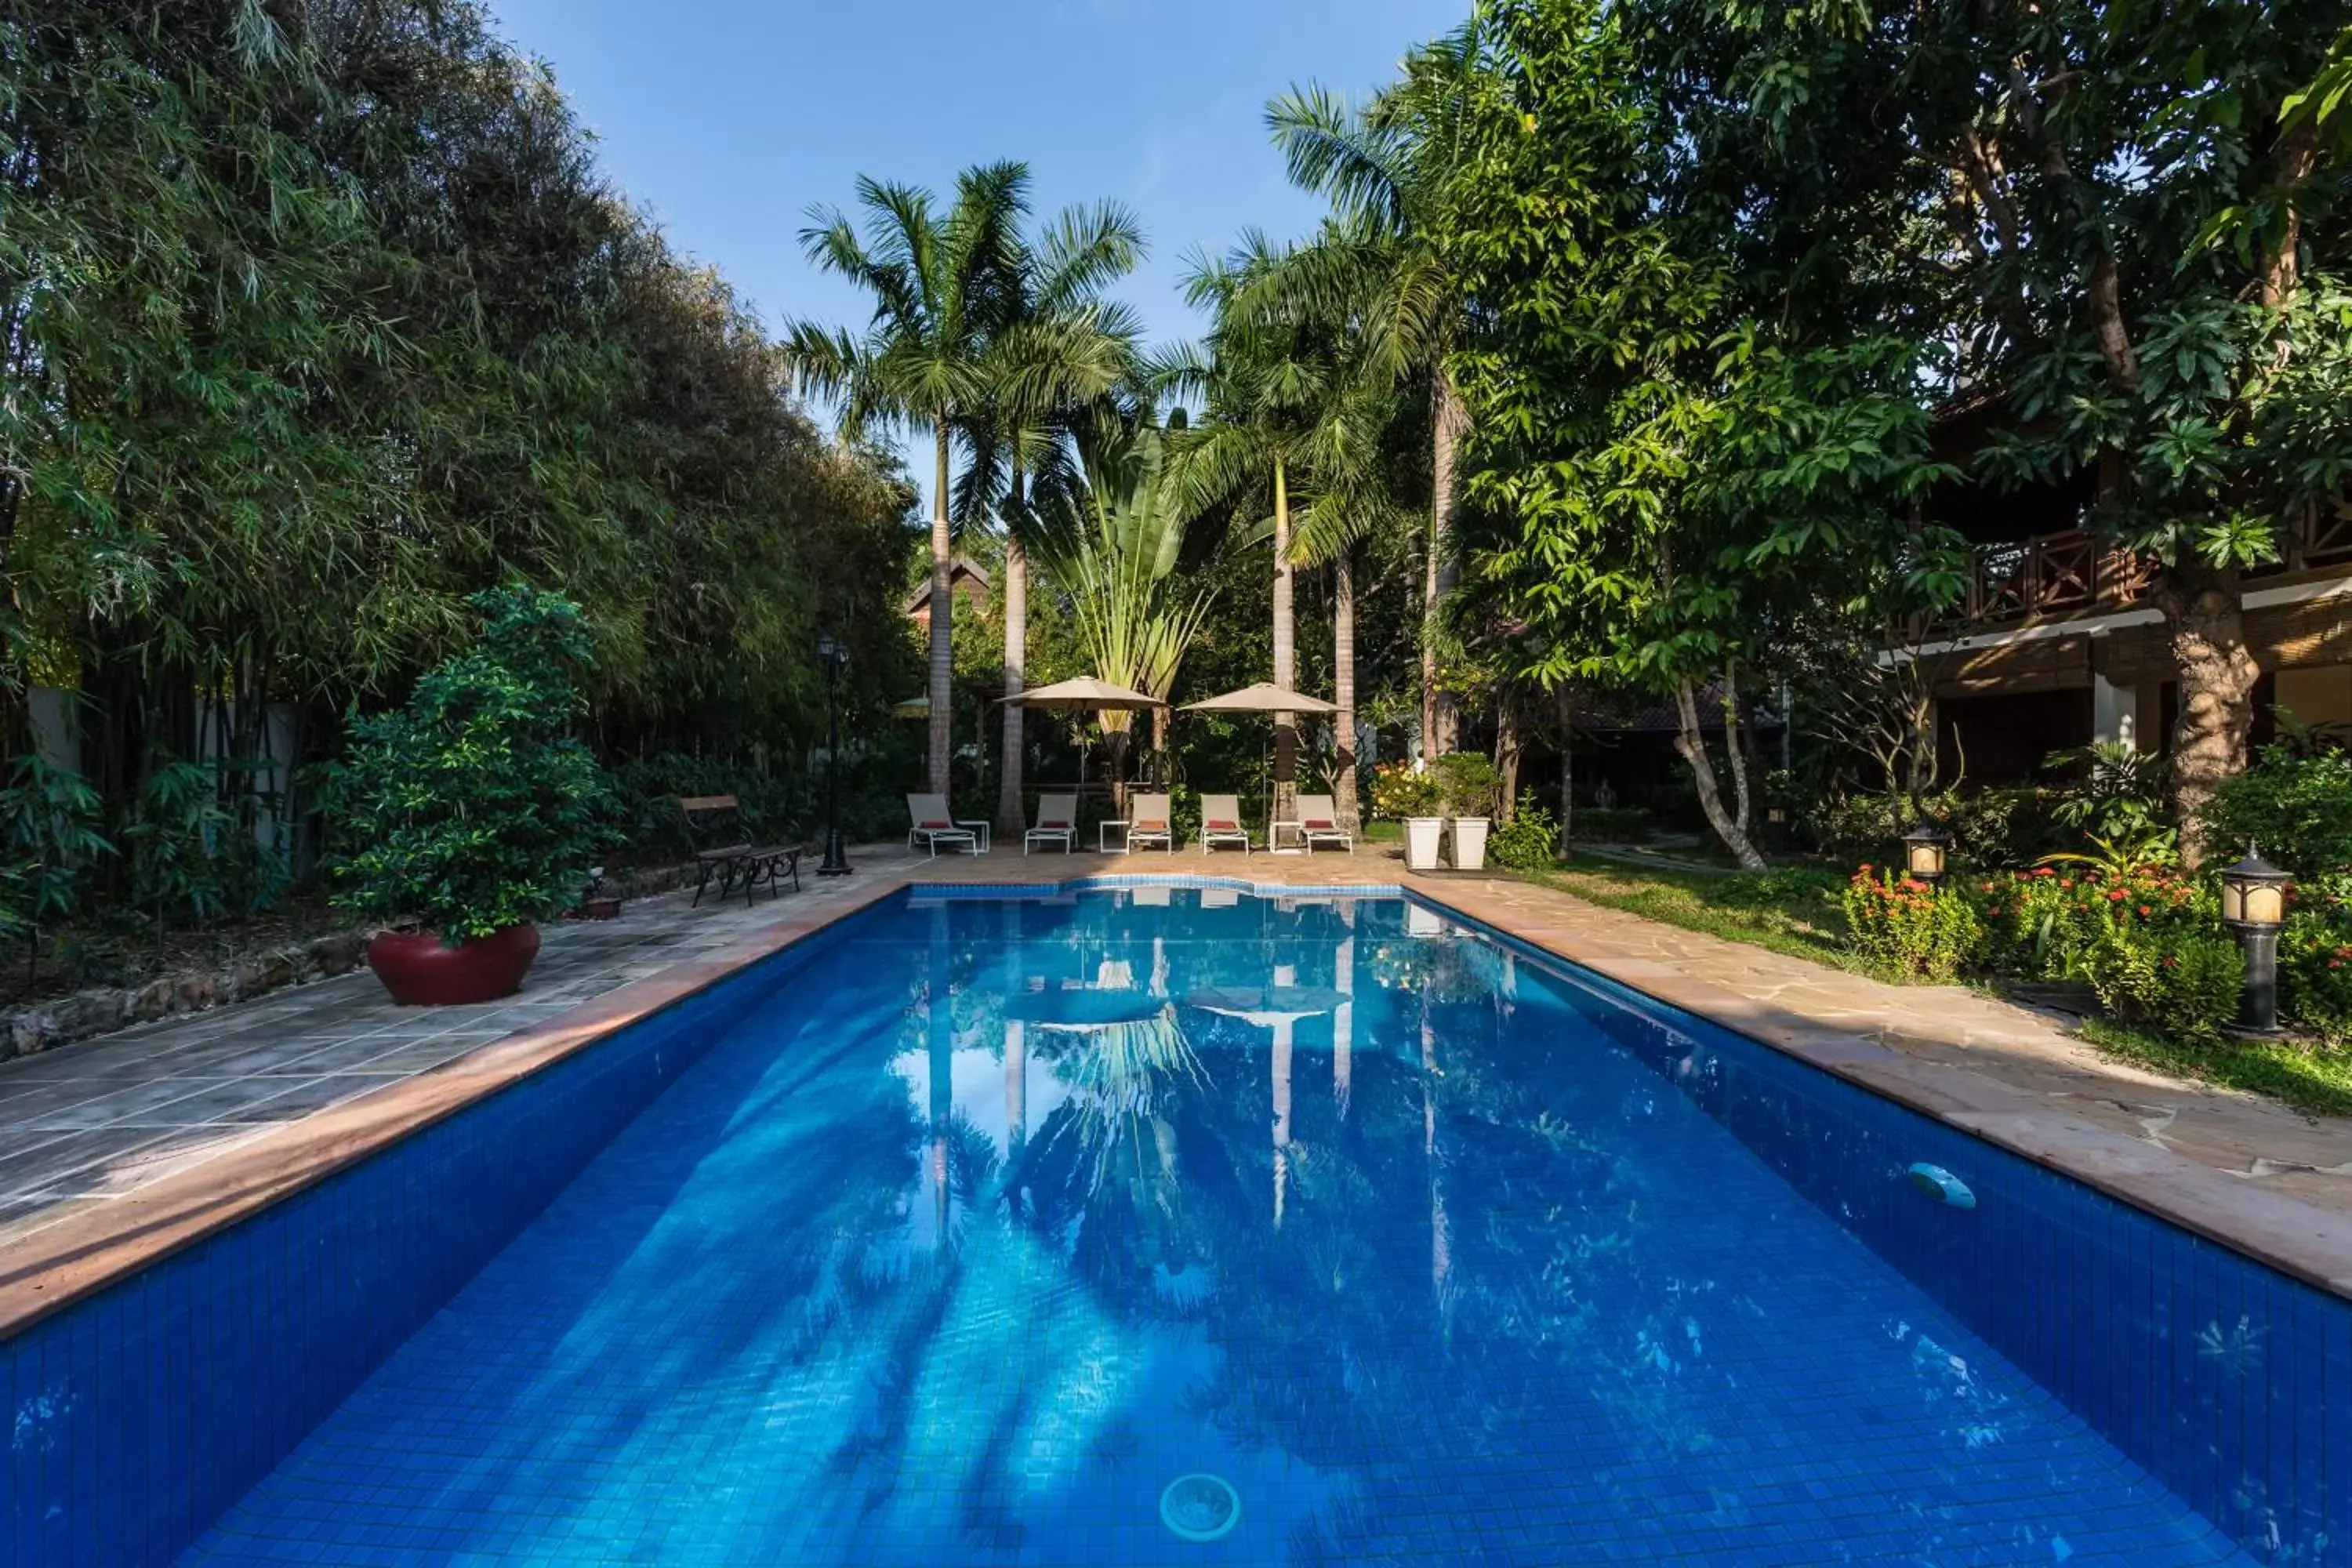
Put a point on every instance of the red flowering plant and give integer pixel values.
(2042, 923)
(1911, 927)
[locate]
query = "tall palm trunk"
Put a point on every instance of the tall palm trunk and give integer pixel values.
(2205, 623)
(1012, 817)
(1343, 682)
(943, 659)
(1440, 721)
(1286, 658)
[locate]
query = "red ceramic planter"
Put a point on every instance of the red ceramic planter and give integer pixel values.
(420, 972)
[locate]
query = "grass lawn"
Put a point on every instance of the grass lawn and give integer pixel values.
(2317, 1080)
(1794, 911)
(1790, 910)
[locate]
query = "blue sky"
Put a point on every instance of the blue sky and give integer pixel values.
(728, 118)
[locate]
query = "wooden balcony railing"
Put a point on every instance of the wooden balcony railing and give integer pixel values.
(2071, 573)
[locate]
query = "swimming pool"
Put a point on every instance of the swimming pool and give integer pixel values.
(968, 1235)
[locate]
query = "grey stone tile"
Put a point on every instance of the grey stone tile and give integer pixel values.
(51, 1165)
(301, 1098)
(151, 1103)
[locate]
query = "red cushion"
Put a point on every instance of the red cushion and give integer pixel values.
(1319, 824)
(928, 827)
(1048, 827)
(1152, 826)
(1222, 825)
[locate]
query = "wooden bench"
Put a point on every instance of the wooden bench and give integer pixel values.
(714, 826)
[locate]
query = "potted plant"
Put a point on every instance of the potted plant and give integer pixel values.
(1415, 799)
(469, 813)
(1474, 788)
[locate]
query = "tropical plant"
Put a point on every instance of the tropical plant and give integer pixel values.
(1473, 785)
(942, 283)
(191, 854)
(1111, 546)
(1054, 366)
(471, 808)
(2118, 789)
(2147, 844)
(1386, 168)
(49, 843)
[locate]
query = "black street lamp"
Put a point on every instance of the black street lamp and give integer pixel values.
(2254, 904)
(1925, 848)
(833, 655)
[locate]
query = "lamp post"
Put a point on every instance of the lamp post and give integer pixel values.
(1924, 852)
(833, 655)
(2253, 905)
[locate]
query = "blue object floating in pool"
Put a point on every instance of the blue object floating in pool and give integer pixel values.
(1942, 1186)
(1200, 1507)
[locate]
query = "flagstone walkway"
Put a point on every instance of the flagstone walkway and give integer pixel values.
(87, 1125)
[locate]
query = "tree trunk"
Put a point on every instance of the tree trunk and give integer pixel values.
(2206, 626)
(1161, 771)
(1012, 816)
(1448, 420)
(1286, 658)
(1567, 768)
(1343, 683)
(1508, 749)
(1692, 743)
(943, 659)
(1732, 745)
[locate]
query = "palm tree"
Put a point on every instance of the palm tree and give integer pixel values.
(1267, 375)
(1351, 462)
(1063, 352)
(1383, 168)
(1112, 544)
(941, 286)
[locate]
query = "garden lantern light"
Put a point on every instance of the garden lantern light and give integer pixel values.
(1923, 851)
(2253, 905)
(833, 655)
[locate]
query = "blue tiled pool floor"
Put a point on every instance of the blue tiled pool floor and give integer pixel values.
(999, 1218)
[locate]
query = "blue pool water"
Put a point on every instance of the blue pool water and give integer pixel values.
(998, 1217)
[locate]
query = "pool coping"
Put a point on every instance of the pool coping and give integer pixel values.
(84, 1254)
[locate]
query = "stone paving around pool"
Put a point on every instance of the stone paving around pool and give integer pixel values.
(85, 1125)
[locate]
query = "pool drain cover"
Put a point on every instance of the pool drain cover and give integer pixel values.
(1200, 1507)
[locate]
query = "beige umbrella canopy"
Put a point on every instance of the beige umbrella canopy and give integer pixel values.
(1086, 692)
(1262, 698)
(916, 707)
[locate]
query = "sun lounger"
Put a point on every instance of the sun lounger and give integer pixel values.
(1221, 822)
(1057, 823)
(931, 827)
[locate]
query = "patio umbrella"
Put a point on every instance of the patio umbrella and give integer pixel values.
(1262, 698)
(916, 707)
(1085, 693)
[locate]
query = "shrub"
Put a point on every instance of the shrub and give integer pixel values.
(1398, 793)
(1905, 925)
(1530, 841)
(471, 808)
(2042, 923)
(2315, 970)
(2297, 809)
(2181, 984)
(49, 842)
(1473, 785)
(1983, 825)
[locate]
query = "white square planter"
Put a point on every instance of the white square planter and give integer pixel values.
(1470, 843)
(1421, 836)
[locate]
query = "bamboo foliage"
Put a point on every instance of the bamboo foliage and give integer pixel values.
(315, 321)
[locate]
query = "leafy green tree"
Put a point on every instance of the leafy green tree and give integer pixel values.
(2121, 220)
(942, 286)
(1669, 482)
